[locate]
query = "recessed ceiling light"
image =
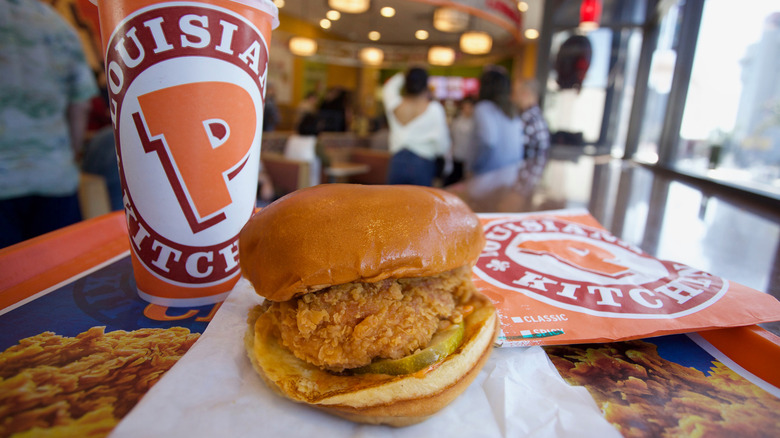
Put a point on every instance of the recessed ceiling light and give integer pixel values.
(279, 3)
(350, 6)
(439, 55)
(333, 15)
(421, 34)
(325, 23)
(371, 55)
(522, 6)
(387, 11)
(374, 35)
(531, 34)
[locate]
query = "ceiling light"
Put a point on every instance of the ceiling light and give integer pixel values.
(279, 3)
(387, 11)
(372, 55)
(450, 19)
(421, 34)
(325, 23)
(350, 6)
(302, 46)
(476, 43)
(333, 15)
(374, 35)
(531, 34)
(440, 55)
(522, 7)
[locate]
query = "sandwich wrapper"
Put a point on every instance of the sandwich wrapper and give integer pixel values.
(556, 278)
(214, 391)
(559, 277)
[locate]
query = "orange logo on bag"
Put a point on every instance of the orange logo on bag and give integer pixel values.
(201, 134)
(583, 255)
(584, 269)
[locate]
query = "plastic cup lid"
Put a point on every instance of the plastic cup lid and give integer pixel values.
(264, 5)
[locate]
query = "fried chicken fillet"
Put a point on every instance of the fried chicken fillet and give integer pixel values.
(349, 325)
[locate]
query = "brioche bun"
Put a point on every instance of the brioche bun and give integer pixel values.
(374, 399)
(341, 233)
(336, 234)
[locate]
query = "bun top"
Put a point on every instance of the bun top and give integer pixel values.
(333, 234)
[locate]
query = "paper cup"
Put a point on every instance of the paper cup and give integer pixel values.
(186, 87)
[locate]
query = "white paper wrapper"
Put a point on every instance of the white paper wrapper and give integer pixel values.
(214, 391)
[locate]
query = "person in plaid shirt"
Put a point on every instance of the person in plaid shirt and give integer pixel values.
(536, 132)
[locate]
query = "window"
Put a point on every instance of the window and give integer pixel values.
(730, 128)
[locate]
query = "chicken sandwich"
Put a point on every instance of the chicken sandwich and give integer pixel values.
(369, 309)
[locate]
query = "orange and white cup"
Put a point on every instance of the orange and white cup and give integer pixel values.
(186, 86)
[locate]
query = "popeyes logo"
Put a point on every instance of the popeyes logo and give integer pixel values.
(186, 86)
(585, 269)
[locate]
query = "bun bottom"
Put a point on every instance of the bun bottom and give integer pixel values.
(374, 399)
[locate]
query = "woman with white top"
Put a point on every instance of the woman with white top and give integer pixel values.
(418, 129)
(498, 129)
(462, 127)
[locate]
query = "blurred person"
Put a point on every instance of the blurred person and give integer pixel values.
(537, 135)
(498, 131)
(305, 146)
(271, 115)
(99, 158)
(418, 131)
(462, 127)
(45, 90)
(266, 191)
(380, 133)
(308, 105)
(335, 112)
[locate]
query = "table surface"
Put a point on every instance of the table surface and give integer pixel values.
(668, 216)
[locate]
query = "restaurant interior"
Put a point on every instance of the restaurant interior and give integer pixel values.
(664, 125)
(666, 131)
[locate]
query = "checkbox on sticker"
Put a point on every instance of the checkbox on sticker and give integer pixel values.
(526, 333)
(517, 319)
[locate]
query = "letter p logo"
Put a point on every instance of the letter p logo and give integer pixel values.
(581, 254)
(202, 133)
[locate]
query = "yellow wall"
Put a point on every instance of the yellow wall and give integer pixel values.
(338, 76)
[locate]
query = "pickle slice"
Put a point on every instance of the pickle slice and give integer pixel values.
(442, 344)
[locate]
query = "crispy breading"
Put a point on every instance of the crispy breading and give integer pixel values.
(645, 395)
(52, 385)
(349, 325)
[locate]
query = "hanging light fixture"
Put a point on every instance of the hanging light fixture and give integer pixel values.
(476, 43)
(590, 15)
(350, 6)
(302, 46)
(440, 55)
(450, 19)
(371, 55)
